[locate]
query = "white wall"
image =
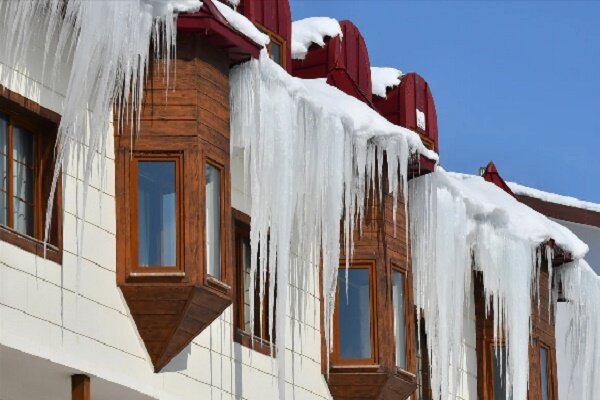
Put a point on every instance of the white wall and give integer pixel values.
(75, 318)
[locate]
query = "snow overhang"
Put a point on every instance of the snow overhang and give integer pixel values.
(221, 32)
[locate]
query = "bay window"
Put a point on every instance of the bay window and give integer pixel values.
(213, 221)
(399, 302)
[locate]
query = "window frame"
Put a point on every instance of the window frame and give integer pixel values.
(407, 315)
(221, 283)
(43, 125)
(550, 377)
(274, 37)
(241, 231)
(165, 271)
(336, 361)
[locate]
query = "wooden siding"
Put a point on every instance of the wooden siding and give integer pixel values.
(190, 120)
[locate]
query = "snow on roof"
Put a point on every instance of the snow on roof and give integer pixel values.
(384, 78)
(307, 31)
(242, 24)
(553, 197)
(489, 203)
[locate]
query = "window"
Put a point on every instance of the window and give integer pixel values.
(276, 47)
(399, 301)
(423, 391)
(500, 357)
(26, 170)
(213, 221)
(156, 205)
(545, 389)
(354, 319)
(246, 330)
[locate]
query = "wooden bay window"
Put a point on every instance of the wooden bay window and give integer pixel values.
(27, 140)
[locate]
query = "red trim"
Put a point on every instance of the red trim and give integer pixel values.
(218, 31)
(491, 175)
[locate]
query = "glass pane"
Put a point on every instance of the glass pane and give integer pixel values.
(276, 52)
(3, 168)
(247, 266)
(399, 318)
(419, 391)
(544, 372)
(23, 181)
(354, 314)
(500, 389)
(157, 214)
(213, 221)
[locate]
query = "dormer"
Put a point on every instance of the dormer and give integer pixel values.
(343, 61)
(273, 18)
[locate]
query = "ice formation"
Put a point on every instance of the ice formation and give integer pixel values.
(108, 45)
(384, 78)
(578, 332)
(309, 152)
(553, 197)
(307, 31)
(241, 23)
(460, 223)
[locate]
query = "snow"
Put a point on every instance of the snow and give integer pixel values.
(242, 24)
(578, 332)
(309, 153)
(108, 46)
(384, 78)
(460, 223)
(311, 30)
(552, 197)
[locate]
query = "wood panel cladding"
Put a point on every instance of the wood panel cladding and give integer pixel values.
(185, 120)
(386, 245)
(542, 335)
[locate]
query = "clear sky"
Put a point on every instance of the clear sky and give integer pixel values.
(514, 82)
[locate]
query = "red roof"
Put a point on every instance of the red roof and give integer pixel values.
(491, 174)
(211, 22)
(344, 62)
(402, 104)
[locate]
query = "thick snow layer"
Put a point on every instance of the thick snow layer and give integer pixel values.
(307, 31)
(384, 78)
(108, 44)
(242, 24)
(578, 332)
(553, 197)
(460, 223)
(309, 152)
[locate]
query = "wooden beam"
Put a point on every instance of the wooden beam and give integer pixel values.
(80, 387)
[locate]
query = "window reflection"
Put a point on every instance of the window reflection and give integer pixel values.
(276, 52)
(399, 317)
(354, 314)
(23, 180)
(213, 221)
(544, 372)
(501, 392)
(157, 214)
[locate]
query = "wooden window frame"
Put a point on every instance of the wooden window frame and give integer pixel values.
(43, 125)
(277, 39)
(336, 361)
(408, 315)
(219, 284)
(241, 230)
(162, 271)
(550, 369)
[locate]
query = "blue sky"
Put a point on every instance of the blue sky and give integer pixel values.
(516, 82)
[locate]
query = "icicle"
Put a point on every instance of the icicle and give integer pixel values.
(312, 160)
